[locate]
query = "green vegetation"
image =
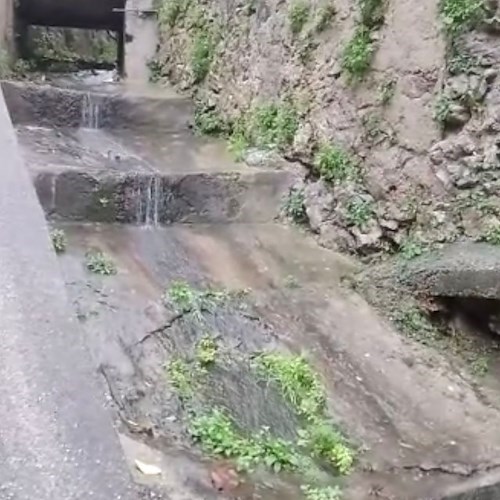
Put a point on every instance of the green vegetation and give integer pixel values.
(480, 366)
(492, 234)
(298, 15)
(333, 163)
(99, 263)
(459, 16)
(217, 434)
(300, 385)
(411, 248)
(186, 299)
(208, 121)
(202, 54)
(358, 52)
(326, 12)
(206, 351)
(294, 206)
(267, 126)
(442, 109)
(461, 62)
(386, 92)
(181, 377)
(302, 388)
(357, 56)
(326, 493)
(359, 211)
(170, 11)
(59, 240)
(415, 325)
(156, 70)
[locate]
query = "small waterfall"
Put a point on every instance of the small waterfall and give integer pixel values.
(91, 109)
(148, 193)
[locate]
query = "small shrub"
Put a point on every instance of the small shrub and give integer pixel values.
(460, 15)
(59, 240)
(325, 442)
(359, 211)
(386, 92)
(202, 54)
(99, 263)
(208, 121)
(372, 13)
(294, 206)
(206, 351)
(217, 434)
(411, 248)
(357, 55)
(298, 15)
(170, 11)
(325, 493)
(442, 109)
(415, 325)
(324, 16)
(480, 366)
(155, 70)
(300, 385)
(492, 234)
(332, 163)
(181, 377)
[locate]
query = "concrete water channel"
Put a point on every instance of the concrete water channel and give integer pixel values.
(121, 173)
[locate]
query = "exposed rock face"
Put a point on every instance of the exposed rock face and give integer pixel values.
(419, 172)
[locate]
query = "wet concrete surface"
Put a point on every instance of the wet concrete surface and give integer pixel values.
(419, 437)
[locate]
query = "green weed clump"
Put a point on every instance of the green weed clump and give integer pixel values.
(459, 16)
(98, 262)
(202, 55)
(217, 434)
(208, 121)
(268, 126)
(59, 240)
(170, 11)
(294, 206)
(359, 212)
(333, 163)
(318, 493)
(181, 377)
(324, 16)
(358, 53)
(298, 15)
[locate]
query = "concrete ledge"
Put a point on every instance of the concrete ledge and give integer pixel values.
(56, 437)
(485, 487)
(140, 198)
(49, 106)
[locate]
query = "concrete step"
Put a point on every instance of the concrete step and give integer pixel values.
(110, 107)
(158, 177)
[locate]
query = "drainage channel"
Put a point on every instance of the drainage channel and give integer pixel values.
(186, 290)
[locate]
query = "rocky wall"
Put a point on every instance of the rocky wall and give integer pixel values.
(420, 122)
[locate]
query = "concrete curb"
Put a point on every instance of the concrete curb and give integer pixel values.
(56, 437)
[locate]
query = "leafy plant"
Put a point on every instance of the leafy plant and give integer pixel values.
(325, 493)
(334, 164)
(187, 299)
(492, 234)
(324, 16)
(169, 11)
(99, 263)
(372, 13)
(480, 366)
(59, 240)
(202, 54)
(208, 121)
(181, 377)
(217, 434)
(298, 382)
(416, 325)
(206, 351)
(442, 109)
(298, 15)
(460, 15)
(358, 53)
(359, 211)
(267, 126)
(294, 206)
(411, 247)
(386, 91)
(155, 70)
(325, 442)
